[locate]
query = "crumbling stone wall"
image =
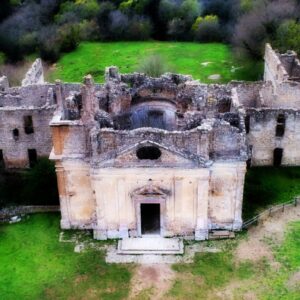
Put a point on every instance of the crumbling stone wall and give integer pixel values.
(195, 140)
(4, 84)
(262, 137)
(35, 75)
(37, 104)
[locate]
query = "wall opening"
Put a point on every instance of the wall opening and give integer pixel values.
(280, 127)
(16, 134)
(32, 157)
(278, 153)
(28, 125)
(247, 124)
(148, 152)
(156, 119)
(150, 218)
(2, 164)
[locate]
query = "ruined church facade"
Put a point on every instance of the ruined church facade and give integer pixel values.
(140, 156)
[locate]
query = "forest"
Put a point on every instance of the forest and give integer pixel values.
(50, 28)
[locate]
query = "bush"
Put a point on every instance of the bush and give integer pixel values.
(207, 29)
(103, 19)
(139, 28)
(68, 36)
(288, 36)
(260, 25)
(177, 29)
(154, 66)
(36, 186)
(49, 44)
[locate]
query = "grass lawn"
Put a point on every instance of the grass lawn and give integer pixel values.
(266, 186)
(35, 265)
(217, 275)
(185, 58)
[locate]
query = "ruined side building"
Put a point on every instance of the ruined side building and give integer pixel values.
(141, 156)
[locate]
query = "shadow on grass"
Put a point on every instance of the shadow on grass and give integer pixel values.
(267, 186)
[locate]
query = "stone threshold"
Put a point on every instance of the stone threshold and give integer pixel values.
(150, 245)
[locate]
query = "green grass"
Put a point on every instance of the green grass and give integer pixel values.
(212, 273)
(266, 186)
(35, 265)
(185, 58)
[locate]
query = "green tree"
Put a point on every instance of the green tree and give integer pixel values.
(288, 36)
(207, 29)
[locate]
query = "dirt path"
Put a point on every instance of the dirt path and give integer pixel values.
(154, 281)
(272, 229)
(151, 281)
(256, 247)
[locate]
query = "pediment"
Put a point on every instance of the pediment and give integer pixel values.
(150, 190)
(165, 157)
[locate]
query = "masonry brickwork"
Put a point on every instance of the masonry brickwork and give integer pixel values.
(170, 141)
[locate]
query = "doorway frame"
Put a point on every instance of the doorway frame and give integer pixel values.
(150, 194)
(150, 200)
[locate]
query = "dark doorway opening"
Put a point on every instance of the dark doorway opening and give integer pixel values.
(2, 165)
(278, 153)
(150, 218)
(32, 157)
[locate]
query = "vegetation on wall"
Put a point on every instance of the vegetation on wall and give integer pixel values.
(36, 186)
(52, 27)
(268, 186)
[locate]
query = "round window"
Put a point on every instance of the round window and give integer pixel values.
(148, 152)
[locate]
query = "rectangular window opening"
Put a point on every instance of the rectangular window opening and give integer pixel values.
(247, 124)
(28, 125)
(280, 129)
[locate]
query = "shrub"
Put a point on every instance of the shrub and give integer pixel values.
(103, 19)
(207, 29)
(40, 185)
(139, 28)
(118, 25)
(177, 29)
(36, 186)
(49, 44)
(68, 36)
(260, 25)
(153, 66)
(288, 36)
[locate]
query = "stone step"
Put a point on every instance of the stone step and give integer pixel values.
(221, 234)
(150, 245)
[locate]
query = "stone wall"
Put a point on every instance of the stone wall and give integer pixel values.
(262, 136)
(192, 201)
(35, 75)
(15, 142)
(4, 84)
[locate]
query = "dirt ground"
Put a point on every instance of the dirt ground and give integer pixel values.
(270, 230)
(154, 281)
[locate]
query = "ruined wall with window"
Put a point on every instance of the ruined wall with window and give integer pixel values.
(25, 113)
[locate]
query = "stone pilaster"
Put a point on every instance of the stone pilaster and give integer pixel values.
(201, 230)
(238, 222)
(63, 197)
